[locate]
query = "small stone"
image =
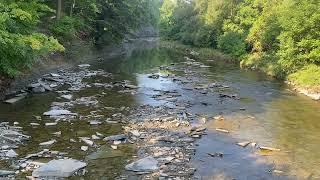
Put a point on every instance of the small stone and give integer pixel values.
(95, 137)
(34, 124)
(57, 133)
(115, 137)
(87, 141)
(51, 124)
(116, 142)
(54, 75)
(95, 122)
(220, 118)
(269, 148)
(48, 143)
(84, 65)
(84, 148)
(16, 123)
(135, 133)
(243, 144)
(99, 134)
(68, 97)
(222, 130)
(114, 147)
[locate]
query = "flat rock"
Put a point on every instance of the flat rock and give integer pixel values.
(59, 168)
(84, 65)
(14, 100)
(105, 152)
(54, 75)
(147, 164)
(58, 112)
(67, 96)
(115, 137)
(11, 154)
(48, 143)
(6, 173)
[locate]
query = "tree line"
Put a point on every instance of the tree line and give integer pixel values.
(33, 28)
(280, 37)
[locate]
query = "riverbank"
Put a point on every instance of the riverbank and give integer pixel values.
(303, 82)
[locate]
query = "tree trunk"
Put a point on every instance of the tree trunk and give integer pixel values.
(72, 7)
(59, 9)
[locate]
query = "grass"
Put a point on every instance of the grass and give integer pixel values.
(307, 77)
(204, 53)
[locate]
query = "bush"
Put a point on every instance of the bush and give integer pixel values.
(232, 43)
(67, 27)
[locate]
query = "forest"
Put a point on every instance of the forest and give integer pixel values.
(278, 37)
(33, 28)
(160, 89)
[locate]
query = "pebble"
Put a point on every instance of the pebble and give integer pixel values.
(84, 148)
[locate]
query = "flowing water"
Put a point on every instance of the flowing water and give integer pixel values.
(267, 113)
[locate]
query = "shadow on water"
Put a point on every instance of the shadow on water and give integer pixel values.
(282, 119)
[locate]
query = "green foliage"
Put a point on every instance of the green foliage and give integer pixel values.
(67, 27)
(279, 37)
(232, 43)
(307, 76)
(19, 43)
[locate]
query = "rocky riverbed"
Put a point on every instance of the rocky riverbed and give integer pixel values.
(150, 115)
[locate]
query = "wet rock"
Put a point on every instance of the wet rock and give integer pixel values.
(58, 112)
(34, 124)
(154, 76)
(59, 168)
(87, 141)
(95, 137)
(11, 154)
(54, 75)
(115, 137)
(135, 133)
(16, 99)
(147, 164)
(95, 122)
(68, 96)
(104, 152)
(48, 143)
(84, 65)
(51, 124)
(4, 173)
(216, 154)
(117, 142)
(46, 87)
(39, 89)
